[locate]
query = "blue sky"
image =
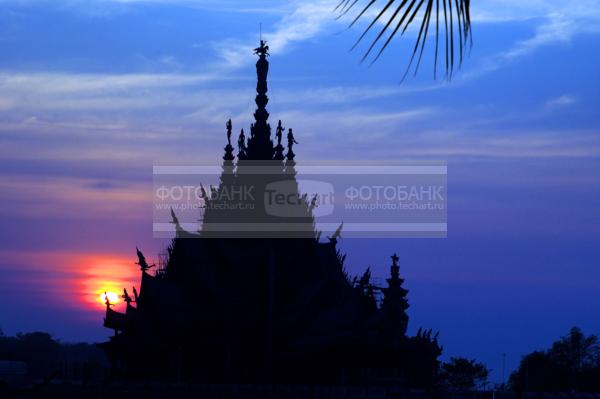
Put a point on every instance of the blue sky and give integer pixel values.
(93, 92)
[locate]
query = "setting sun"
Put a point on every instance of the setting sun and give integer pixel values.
(112, 297)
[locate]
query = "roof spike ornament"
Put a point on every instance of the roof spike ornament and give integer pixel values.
(126, 297)
(175, 220)
(107, 301)
(337, 234)
(144, 267)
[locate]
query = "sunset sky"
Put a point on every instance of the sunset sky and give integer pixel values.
(93, 92)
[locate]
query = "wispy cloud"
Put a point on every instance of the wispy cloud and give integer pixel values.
(115, 112)
(304, 21)
(562, 101)
(63, 83)
(555, 22)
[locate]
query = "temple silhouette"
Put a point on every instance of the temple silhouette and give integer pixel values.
(263, 310)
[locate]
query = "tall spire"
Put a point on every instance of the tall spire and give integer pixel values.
(260, 145)
(394, 299)
(262, 70)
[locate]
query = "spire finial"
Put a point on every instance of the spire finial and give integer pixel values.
(262, 50)
(260, 145)
(395, 269)
(107, 300)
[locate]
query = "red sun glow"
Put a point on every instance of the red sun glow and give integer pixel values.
(87, 274)
(108, 274)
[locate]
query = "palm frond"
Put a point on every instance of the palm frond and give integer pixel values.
(452, 30)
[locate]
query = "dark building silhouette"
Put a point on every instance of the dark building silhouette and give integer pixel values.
(258, 309)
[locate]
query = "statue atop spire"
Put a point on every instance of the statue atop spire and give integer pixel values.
(228, 148)
(291, 142)
(279, 133)
(229, 127)
(262, 50)
(279, 148)
(242, 145)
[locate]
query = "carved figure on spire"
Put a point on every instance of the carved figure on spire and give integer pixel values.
(228, 148)
(229, 128)
(263, 49)
(242, 141)
(279, 132)
(291, 140)
(278, 150)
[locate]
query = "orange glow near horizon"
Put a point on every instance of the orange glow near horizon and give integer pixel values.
(106, 273)
(84, 275)
(109, 274)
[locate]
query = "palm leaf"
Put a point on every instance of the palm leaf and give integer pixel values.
(451, 20)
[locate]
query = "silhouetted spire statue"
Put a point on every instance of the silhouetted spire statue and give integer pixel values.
(242, 145)
(291, 141)
(228, 148)
(279, 148)
(135, 295)
(280, 130)
(262, 50)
